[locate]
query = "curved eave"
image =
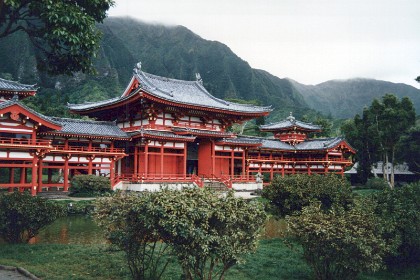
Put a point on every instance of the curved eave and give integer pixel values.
(35, 117)
(20, 92)
(154, 98)
(103, 107)
(204, 133)
(289, 128)
(239, 144)
(162, 137)
(87, 136)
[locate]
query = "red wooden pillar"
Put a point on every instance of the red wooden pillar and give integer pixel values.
(146, 159)
(136, 159)
(161, 157)
(184, 171)
(39, 189)
(34, 175)
(244, 171)
(282, 170)
(112, 171)
(232, 161)
(213, 155)
(90, 164)
(66, 173)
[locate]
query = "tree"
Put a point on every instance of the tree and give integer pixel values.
(339, 243)
(409, 149)
(209, 234)
(63, 31)
(399, 209)
(22, 216)
(131, 225)
(380, 129)
(292, 193)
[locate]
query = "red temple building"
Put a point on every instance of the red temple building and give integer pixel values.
(160, 131)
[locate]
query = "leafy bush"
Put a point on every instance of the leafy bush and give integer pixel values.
(131, 225)
(89, 185)
(376, 184)
(207, 233)
(22, 216)
(292, 193)
(399, 209)
(339, 243)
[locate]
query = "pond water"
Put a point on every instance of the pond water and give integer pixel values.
(83, 230)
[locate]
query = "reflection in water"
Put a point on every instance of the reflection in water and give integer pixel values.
(70, 230)
(83, 230)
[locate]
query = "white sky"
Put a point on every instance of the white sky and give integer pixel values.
(310, 41)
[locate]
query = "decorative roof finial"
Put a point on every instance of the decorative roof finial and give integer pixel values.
(198, 78)
(15, 97)
(291, 118)
(137, 68)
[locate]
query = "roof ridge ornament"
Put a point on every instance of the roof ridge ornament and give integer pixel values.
(291, 118)
(198, 78)
(137, 68)
(15, 97)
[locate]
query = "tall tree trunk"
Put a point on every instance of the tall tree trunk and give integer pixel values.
(392, 168)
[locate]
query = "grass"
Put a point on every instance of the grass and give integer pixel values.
(273, 260)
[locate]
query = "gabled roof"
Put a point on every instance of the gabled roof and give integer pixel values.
(88, 128)
(290, 123)
(7, 106)
(172, 91)
(320, 144)
(307, 145)
(15, 86)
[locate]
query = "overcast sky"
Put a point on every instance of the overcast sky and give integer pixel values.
(310, 41)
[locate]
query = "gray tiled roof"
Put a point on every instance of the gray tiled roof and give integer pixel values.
(177, 91)
(89, 128)
(276, 145)
(202, 132)
(289, 124)
(242, 140)
(157, 133)
(15, 86)
(319, 144)
(308, 145)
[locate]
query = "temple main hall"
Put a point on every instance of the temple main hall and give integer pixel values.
(159, 132)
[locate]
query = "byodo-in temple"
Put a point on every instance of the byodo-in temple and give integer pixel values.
(160, 131)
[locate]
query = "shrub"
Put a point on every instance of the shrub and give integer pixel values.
(376, 184)
(339, 243)
(22, 216)
(399, 210)
(292, 193)
(207, 233)
(89, 185)
(131, 225)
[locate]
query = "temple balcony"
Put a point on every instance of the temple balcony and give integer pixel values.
(87, 150)
(23, 143)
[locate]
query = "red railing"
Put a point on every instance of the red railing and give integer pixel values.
(24, 142)
(297, 160)
(153, 178)
(87, 149)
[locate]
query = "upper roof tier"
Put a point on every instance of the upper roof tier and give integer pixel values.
(290, 123)
(15, 88)
(176, 92)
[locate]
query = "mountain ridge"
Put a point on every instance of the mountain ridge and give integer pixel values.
(176, 52)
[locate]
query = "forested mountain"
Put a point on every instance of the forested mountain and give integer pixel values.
(344, 98)
(177, 52)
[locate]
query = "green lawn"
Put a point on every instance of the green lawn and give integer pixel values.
(273, 260)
